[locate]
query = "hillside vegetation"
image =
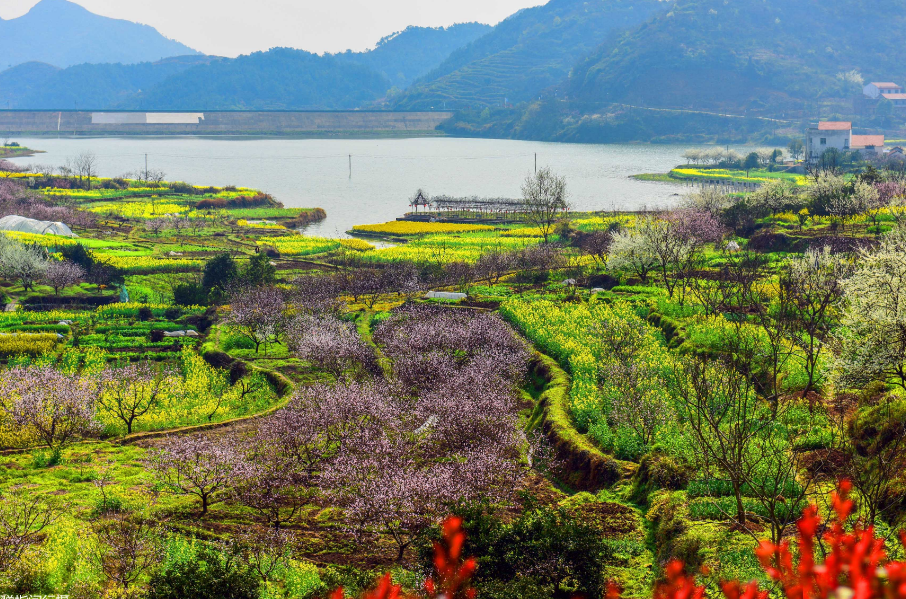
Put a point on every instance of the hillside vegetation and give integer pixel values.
(281, 78)
(405, 56)
(714, 54)
(526, 53)
(38, 85)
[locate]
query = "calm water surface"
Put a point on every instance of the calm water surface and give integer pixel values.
(385, 172)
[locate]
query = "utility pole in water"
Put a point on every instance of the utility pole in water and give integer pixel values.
(146, 168)
(536, 163)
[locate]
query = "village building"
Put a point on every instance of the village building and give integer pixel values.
(875, 90)
(867, 144)
(898, 100)
(827, 135)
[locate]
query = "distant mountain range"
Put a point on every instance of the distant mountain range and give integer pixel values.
(281, 78)
(63, 34)
(570, 70)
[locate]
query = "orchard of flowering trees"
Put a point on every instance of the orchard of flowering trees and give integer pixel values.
(273, 415)
(394, 453)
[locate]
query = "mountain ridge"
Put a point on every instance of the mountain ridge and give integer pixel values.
(63, 34)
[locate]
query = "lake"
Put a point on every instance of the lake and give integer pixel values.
(385, 172)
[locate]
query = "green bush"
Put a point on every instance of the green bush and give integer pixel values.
(235, 341)
(47, 458)
(209, 574)
(107, 505)
(713, 487)
(658, 470)
(724, 508)
(190, 294)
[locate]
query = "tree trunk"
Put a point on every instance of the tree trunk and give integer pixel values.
(740, 509)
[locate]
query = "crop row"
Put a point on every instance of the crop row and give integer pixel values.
(402, 227)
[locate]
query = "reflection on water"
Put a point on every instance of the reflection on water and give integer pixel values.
(384, 172)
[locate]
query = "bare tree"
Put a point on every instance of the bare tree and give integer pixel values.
(131, 391)
(814, 286)
(127, 547)
(877, 451)
(266, 551)
(545, 200)
(724, 417)
(86, 165)
(23, 519)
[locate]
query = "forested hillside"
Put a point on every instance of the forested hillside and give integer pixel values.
(281, 78)
(768, 55)
(526, 53)
(278, 79)
(406, 55)
(38, 85)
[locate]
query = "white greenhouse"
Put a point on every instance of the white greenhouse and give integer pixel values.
(30, 225)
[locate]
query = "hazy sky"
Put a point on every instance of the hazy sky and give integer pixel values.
(233, 27)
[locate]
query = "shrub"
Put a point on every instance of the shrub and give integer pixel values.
(47, 458)
(106, 505)
(657, 470)
(181, 187)
(234, 341)
(209, 574)
(189, 294)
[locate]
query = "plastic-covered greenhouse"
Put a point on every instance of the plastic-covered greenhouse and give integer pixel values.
(30, 225)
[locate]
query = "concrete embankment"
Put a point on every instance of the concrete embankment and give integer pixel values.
(296, 123)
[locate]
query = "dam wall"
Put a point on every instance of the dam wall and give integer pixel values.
(301, 123)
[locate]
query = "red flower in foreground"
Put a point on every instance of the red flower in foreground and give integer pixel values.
(856, 565)
(451, 571)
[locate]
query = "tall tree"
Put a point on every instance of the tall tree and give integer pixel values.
(545, 200)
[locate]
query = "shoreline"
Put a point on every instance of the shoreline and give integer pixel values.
(8, 152)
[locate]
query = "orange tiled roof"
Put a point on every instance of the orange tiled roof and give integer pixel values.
(864, 141)
(834, 126)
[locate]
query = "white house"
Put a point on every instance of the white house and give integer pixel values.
(875, 90)
(828, 134)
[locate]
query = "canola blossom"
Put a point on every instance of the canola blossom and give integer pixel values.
(444, 249)
(403, 227)
(150, 264)
(143, 209)
(299, 245)
(720, 173)
(569, 333)
(263, 225)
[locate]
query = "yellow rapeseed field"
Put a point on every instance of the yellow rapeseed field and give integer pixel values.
(404, 227)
